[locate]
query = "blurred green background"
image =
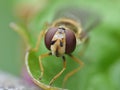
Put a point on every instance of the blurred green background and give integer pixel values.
(103, 51)
(9, 41)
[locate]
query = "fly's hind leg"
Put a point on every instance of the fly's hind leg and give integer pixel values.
(75, 70)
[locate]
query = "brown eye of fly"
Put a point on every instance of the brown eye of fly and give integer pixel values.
(70, 41)
(48, 37)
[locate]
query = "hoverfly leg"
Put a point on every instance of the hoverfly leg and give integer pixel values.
(40, 63)
(73, 71)
(56, 76)
(42, 33)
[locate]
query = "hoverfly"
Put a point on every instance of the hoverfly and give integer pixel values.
(63, 35)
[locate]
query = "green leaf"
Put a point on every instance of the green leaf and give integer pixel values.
(33, 68)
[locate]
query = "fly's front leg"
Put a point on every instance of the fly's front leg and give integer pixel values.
(75, 70)
(40, 63)
(42, 34)
(64, 67)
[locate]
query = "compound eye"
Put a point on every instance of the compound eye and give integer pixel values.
(48, 37)
(70, 41)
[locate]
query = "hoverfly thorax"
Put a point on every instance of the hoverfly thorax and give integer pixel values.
(72, 25)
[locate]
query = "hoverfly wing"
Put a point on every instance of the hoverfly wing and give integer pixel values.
(85, 17)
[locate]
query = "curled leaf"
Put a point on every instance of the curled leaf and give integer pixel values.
(32, 64)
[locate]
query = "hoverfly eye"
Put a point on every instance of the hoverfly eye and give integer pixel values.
(48, 37)
(70, 41)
